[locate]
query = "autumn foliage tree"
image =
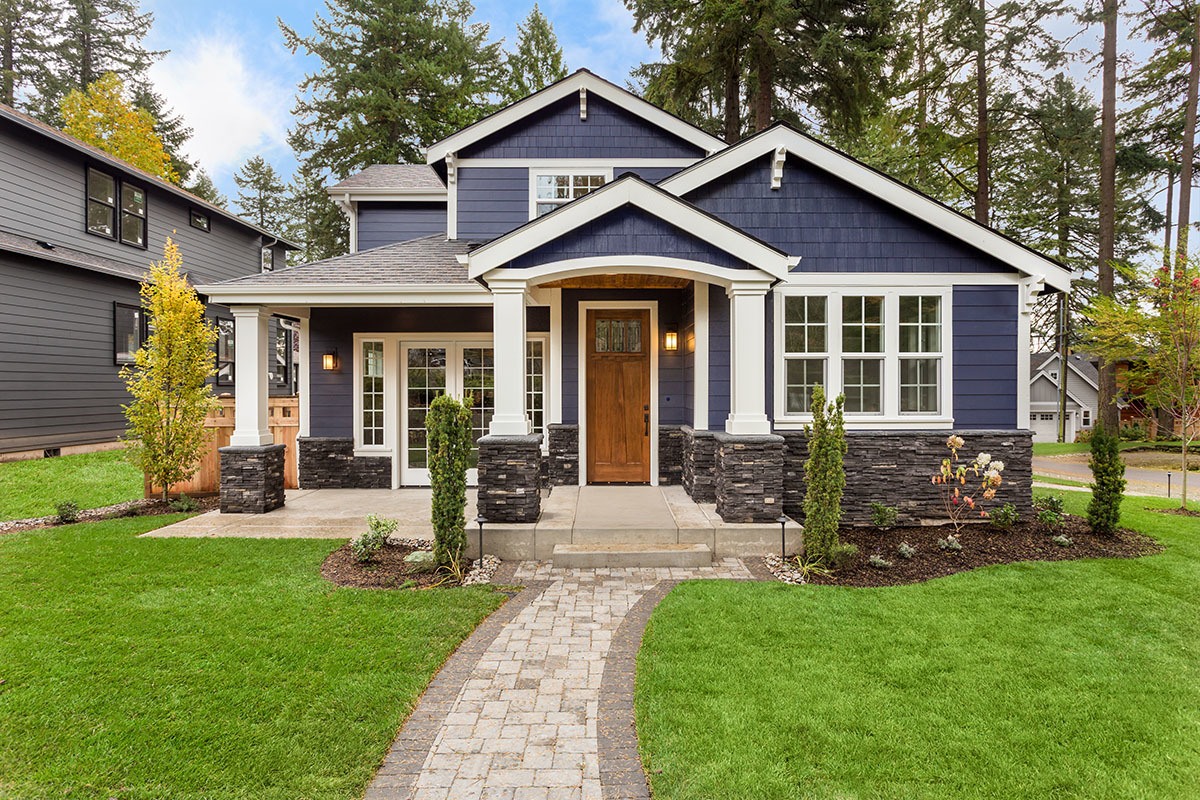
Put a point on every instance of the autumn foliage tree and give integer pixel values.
(168, 380)
(104, 118)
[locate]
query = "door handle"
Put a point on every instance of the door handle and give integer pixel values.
(646, 419)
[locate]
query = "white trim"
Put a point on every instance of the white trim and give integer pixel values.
(869, 280)
(747, 362)
(700, 359)
(564, 168)
(540, 163)
(466, 294)
(582, 103)
(1029, 288)
(251, 425)
(555, 357)
(305, 377)
(569, 85)
(875, 183)
(452, 212)
(634, 305)
(640, 265)
(361, 449)
(636, 192)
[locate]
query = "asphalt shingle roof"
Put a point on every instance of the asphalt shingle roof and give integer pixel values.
(12, 243)
(1080, 361)
(393, 176)
(428, 260)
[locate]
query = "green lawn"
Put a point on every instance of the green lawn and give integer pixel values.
(204, 668)
(1060, 481)
(1068, 448)
(1069, 679)
(90, 480)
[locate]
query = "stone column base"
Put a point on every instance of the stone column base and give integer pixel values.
(670, 455)
(252, 479)
(509, 469)
(700, 465)
(749, 477)
(563, 462)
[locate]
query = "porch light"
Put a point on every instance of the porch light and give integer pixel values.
(671, 340)
(329, 361)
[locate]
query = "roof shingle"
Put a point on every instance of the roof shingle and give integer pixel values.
(402, 177)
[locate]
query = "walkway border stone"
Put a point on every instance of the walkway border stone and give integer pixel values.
(397, 776)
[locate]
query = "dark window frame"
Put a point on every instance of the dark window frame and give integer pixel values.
(119, 183)
(194, 212)
(145, 245)
(143, 330)
(219, 379)
(289, 360)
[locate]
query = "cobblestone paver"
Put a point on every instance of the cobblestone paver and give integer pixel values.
(526, 723)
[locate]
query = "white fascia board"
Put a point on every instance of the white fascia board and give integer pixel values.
(568, 87)
(875, 183)
(344, 295)
(629, 191)
(585, 163)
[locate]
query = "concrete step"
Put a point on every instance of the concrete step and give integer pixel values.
(619, 554)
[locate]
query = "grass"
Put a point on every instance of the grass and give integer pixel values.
(1070, 448)
(1061, 481)
(90, 480)
(215, 668)
(1069, 679)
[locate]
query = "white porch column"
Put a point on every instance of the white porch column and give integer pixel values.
(250, 377)
(508, 341)
(748, 355)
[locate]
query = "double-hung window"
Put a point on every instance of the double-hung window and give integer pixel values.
(805, 350)
(129, 332)
(115, 209)
(551, 190)
(862, 349)
(133, 215)
(920, 354)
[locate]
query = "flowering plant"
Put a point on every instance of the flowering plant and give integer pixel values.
(960, 499)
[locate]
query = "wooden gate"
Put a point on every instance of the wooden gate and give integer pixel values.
(283, 417)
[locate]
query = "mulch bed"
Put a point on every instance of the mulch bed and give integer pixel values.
(982, 545)
(386, 571)
(1179, 512)
(134, 508)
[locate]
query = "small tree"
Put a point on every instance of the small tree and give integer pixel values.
(825, 478)
(168, 379)
(449, 430)
(1108, 482)
(103, 118)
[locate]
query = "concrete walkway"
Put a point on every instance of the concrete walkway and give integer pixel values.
(538, 703)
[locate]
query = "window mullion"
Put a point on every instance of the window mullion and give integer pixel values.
(891, 354)
(833, 315)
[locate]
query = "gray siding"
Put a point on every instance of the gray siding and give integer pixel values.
(833, 225)
(491, 201)
(985, 357)
(557, 132)
(719, 363)
(387, 223)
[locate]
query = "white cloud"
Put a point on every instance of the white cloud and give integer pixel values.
(605, 41)
(236, 108)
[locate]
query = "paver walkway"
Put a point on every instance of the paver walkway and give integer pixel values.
(539, 705)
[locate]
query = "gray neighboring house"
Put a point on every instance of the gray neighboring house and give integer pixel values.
(1083, 394)
(78, 229)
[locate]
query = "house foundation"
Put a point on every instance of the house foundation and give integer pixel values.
(328, 462)
(252, 479)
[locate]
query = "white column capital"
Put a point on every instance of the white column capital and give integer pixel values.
(250, 312)
(757, 288)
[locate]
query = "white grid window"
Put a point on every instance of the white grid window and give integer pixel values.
(372, 393)
(552, 191)
(535, 386)
(920, 332)
(805, 335)
(862, 332)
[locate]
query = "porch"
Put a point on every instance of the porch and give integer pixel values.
(605, 517)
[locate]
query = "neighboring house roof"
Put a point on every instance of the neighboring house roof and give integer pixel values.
(392, 178)
(23, 245)
(572, 84)
(1084, 367)
(782, 139)
(1042, 376)
(96, 154)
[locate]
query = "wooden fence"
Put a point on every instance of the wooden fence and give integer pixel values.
(283, 417)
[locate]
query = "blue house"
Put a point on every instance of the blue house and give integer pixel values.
(630, 300)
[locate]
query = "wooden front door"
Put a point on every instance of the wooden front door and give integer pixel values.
(618, 396)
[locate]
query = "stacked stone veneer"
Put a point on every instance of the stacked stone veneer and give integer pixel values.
(749, 477)
(671, 442)
(562, 463)
(252, 479)
(509, 472)
(328, 462)
(700, 464)
(894, 468)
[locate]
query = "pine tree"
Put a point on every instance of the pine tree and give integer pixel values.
(394, 78)
(260, 196)
(169, 126)
(102, 117)
(538, 60)
(1108, 482)
(203, 187)
(314, 220)
(824, 480)
(27, 31)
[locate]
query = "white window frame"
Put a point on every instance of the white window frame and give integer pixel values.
(564, 168)
(389, 397)
(890, 417)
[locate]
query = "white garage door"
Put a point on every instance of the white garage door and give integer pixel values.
(1045, 426)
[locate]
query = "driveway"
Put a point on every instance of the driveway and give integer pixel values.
(1138, 480)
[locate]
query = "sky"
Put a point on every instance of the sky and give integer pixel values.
(230, 76)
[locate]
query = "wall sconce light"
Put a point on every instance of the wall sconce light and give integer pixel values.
(671, 341)
(329, 361)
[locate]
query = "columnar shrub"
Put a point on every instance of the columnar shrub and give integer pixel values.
(825, 478)
(1108, 482)
(449, 426)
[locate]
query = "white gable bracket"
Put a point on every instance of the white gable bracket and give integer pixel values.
(582, 103)
(777, 167)
(451, 168)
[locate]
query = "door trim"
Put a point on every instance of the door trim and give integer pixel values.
(633, 305)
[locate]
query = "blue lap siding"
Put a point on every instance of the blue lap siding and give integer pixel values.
(718, 357)
(388, 223)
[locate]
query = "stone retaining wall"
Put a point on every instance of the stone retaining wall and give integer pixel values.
(328, 462)
(509, 470)
(699, 464)
(749, 477)
(252, 479)
(670, 455)
(563, 459)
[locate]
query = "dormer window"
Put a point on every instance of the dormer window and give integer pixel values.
(553, 189)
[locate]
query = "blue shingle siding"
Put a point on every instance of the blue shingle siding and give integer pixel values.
(628, 231)
(557, 132)
(718, 357)
(833, 225)
(491, 201)
(648, 174)
(985, 357)
(388, 223)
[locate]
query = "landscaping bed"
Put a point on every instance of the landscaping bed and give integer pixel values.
(982, 545)
(388, 569)
(142, 507)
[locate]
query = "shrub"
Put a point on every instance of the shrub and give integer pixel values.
(449, 426)
(1050, 510)
(1084, 436)
(810, 568)
(883, 516)
(825, 478)
(367, 545)
(879, 562)
(1133, 432)
(906, 550)
(184, 504)
(950, 543)
(66, 512)
(951, 480)
(843, 555)
(1108, 483)
(1062, 540)
(1005, 516)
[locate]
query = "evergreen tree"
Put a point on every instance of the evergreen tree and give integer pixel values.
(538, 61)
(824, 480)
(1108, 482)
(394, 78)
(260, 196)
(314, 221)
(169, 126)
(102, 117)
(203, 187)
(27, 30)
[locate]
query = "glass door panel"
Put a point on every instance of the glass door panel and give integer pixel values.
(425, 380)
(478, 383)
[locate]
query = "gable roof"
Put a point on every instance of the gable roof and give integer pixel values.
(1040, 362)
(96, 154)
(392, 178)
(783, 137)
(572, 84)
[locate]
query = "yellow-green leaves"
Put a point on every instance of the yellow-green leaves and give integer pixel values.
(103, 118)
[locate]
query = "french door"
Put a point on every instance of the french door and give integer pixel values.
(430, 369)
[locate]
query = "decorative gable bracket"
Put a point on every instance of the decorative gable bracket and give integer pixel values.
(582, 103)
(451, 168)
(1031, 288)
(777, 167)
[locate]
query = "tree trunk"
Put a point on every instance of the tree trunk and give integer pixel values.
(733, 98)
(764, 91)
(982, 167)
(1187, 156)
(922, 100)
(9, 88)
(1110, 415)
(1064, 310)
(1168, 218)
